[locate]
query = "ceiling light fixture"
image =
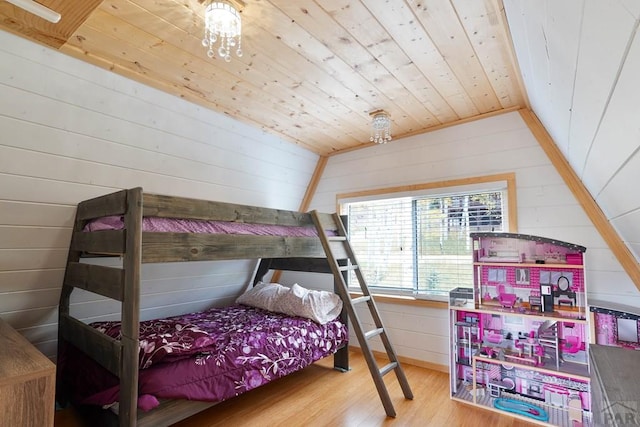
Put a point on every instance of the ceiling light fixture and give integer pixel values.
(380, 127)
(37, 9)
(222, 23)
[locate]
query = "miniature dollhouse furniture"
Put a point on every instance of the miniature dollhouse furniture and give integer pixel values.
(548, 339)
(495, 388)
(522, 408)
(493, 337)
(517, 351)
(505, 298)
(571, 344)
(563, 294)
(535, 300)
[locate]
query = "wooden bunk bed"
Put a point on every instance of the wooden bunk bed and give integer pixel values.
(136, 246)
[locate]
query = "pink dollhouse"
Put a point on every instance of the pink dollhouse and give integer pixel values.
(522, 333)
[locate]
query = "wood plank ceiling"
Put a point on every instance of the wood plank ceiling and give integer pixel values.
(311, 70)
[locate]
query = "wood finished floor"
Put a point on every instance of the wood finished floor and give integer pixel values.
(321, 396)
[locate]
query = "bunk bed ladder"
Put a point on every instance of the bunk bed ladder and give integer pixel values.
(342, 260)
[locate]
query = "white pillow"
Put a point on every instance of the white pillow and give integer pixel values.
(263, 295)
(319, 306)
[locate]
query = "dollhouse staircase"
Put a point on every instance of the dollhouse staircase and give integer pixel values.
(342, 260)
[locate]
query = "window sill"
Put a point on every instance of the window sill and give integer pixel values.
(405, 300)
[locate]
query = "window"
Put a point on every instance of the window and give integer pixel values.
(417, 242)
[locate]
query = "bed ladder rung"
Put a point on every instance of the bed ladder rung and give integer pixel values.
(358, 300)
(373, 333)
(340, 277)
(388, 368)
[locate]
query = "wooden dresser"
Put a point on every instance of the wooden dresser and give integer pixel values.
(615, 386)
(27, 382)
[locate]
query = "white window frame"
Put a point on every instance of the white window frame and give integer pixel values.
(501, 182)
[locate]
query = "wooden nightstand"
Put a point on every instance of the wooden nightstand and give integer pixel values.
(27, 382)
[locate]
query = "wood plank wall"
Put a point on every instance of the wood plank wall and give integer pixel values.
(71, 131)
(499, 144)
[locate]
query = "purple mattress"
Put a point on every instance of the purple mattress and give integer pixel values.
(209, 356)
(176, 225)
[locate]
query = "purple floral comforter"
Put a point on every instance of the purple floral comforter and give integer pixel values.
(211, 356)
(169, 339)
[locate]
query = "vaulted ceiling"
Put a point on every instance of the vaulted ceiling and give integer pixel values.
(580, 62)
(312, 70)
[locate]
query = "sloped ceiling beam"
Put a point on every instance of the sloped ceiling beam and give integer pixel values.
(22, 23)
(591, 208)
(308, 196)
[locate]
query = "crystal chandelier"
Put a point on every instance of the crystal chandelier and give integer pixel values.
(380, 127)
(222, 23)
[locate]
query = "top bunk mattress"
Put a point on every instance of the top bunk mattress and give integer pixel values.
(177, 225)
(177, 229)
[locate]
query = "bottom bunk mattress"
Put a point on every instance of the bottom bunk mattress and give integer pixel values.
(209, 356)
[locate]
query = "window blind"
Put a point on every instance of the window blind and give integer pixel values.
(421, 244)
